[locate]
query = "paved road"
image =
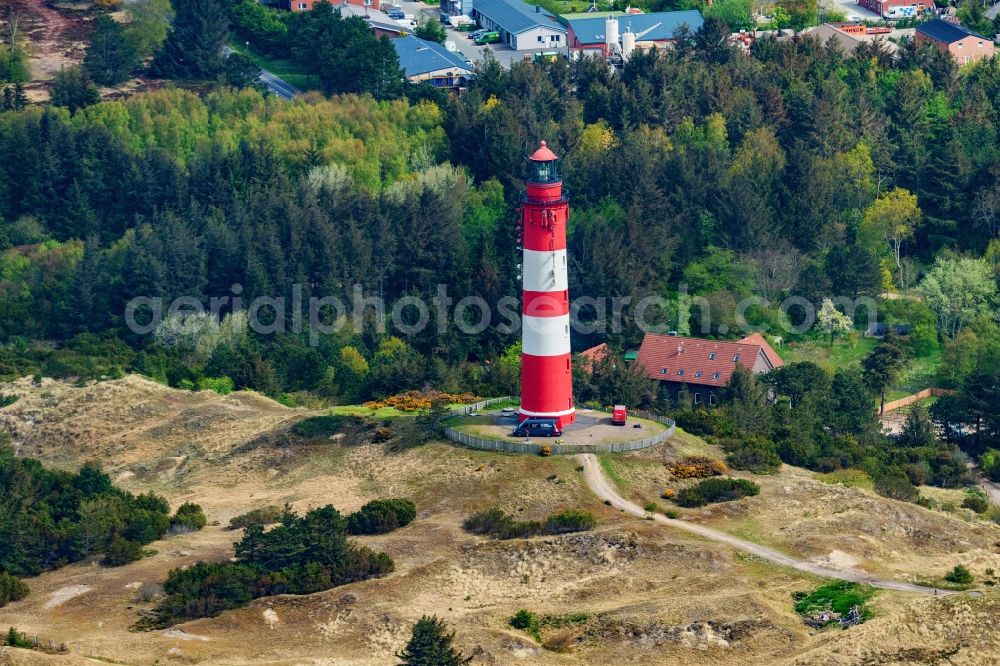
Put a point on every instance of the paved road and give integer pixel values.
(278, 86)
(992, 12)
(600, 486)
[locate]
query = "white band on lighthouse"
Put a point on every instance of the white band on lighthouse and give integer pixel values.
(545, 336)
(544, 271)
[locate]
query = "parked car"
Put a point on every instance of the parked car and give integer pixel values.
(537, 428)
(396, 14)
(619, 415)
(476, 34)
(491, 37)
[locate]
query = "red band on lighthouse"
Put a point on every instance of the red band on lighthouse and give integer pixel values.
(546, 366)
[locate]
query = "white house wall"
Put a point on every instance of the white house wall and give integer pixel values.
(528, 40)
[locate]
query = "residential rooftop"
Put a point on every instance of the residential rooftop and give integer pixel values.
(420, 56)
(943, 31)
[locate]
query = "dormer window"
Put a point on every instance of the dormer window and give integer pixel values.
(680, 372)
(663, 371)
(711, 356)
(736, 359)
(698, 374)
(715, 375)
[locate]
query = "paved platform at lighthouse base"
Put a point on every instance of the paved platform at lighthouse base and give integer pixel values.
(591, 432)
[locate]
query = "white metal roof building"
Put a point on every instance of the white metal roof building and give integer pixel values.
(521, 26)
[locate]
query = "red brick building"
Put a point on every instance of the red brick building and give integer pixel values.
(965, 45)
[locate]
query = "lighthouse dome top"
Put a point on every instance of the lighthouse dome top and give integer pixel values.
(543, 154)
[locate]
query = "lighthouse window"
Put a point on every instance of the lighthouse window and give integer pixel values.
(567, 364)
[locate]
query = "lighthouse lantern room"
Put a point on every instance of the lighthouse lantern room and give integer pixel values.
(546, 365)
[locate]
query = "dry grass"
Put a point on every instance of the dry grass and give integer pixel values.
(653, 595)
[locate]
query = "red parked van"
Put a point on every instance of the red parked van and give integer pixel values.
(619, 415)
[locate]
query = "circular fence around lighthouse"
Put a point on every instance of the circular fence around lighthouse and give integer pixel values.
(591, 432)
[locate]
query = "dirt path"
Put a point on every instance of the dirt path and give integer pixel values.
(600, 486)
(992, 489)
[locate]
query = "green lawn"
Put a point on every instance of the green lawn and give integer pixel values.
(919, 373)
(282, 68)
(819, 352)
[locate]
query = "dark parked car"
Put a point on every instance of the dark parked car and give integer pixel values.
(537, 428)
(395, 14)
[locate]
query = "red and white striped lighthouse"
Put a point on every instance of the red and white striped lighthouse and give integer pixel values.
(546, 372)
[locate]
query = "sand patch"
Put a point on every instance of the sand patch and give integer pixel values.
(64, 594)
(836, 559)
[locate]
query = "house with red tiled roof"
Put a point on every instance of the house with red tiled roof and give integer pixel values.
(703, 366)
(589, 357)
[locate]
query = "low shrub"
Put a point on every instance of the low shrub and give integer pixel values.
(320, 426)
(500, 525)
(121, 552)
(672, 514)
(960, 575)
(896, 485)
(569, 520)
(753, 454)
(839, 596)
(12, 589)
(221, 385)
(267, 515)
(188, 518)
(668, 493)
(527, 621)
(703, 421)
(415, 401)
(6, 400)
(716, 490)
(381, 516)
(16, 639)
(698, 467)
(545, 450)
(850, 478)
(977, 501)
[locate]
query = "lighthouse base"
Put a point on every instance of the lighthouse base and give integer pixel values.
(563, 418)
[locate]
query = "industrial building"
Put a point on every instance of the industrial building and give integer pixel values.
(456, 7)
(424, 61)
(521, 26)
(609, 35)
